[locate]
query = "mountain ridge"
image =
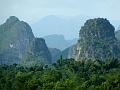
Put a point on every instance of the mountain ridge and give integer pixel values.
(17, 40)
(97, 41)
(59, 41)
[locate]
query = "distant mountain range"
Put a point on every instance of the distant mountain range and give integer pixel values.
(68, 26)
(19, 45)
(58, 41)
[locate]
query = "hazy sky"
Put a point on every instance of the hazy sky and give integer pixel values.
(33, 10)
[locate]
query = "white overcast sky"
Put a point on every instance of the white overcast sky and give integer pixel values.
(32, 10)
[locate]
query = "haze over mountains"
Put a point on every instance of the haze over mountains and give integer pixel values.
(27, 63)
(54, 24)
(56, 29)
(59, 41)
(60, 28)
(59, 25)
(59, 45)
(19, 45)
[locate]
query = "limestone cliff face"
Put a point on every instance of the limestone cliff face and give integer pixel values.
(40, 49)
(68, 52)
(16, 41)
(117, 34)
(55, 53)
(97, 41)
(39, 54)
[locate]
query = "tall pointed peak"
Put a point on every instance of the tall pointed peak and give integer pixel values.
(12, 19)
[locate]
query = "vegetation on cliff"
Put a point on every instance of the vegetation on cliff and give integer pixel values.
(18, 44)
(97, 40)
(97, 66)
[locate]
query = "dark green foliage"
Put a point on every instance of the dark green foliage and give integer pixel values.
(64, 75)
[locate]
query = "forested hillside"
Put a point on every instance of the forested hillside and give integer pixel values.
(96, 63)
(63, 75)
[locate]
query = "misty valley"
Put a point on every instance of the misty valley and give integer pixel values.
(89, 62)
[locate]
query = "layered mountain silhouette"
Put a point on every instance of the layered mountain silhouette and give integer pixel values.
(97, 40)
(67, 26)
(58, 41)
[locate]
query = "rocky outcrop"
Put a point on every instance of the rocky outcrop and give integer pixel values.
(17, 42)
(40, 49)
(55, 53)
(40, 54)
(68, 52)
(97, 41)
(117, 34)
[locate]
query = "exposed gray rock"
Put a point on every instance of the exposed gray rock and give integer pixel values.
(16, 41)
(97, 41)
(68, 52)
(56, 53)
(117, 34)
